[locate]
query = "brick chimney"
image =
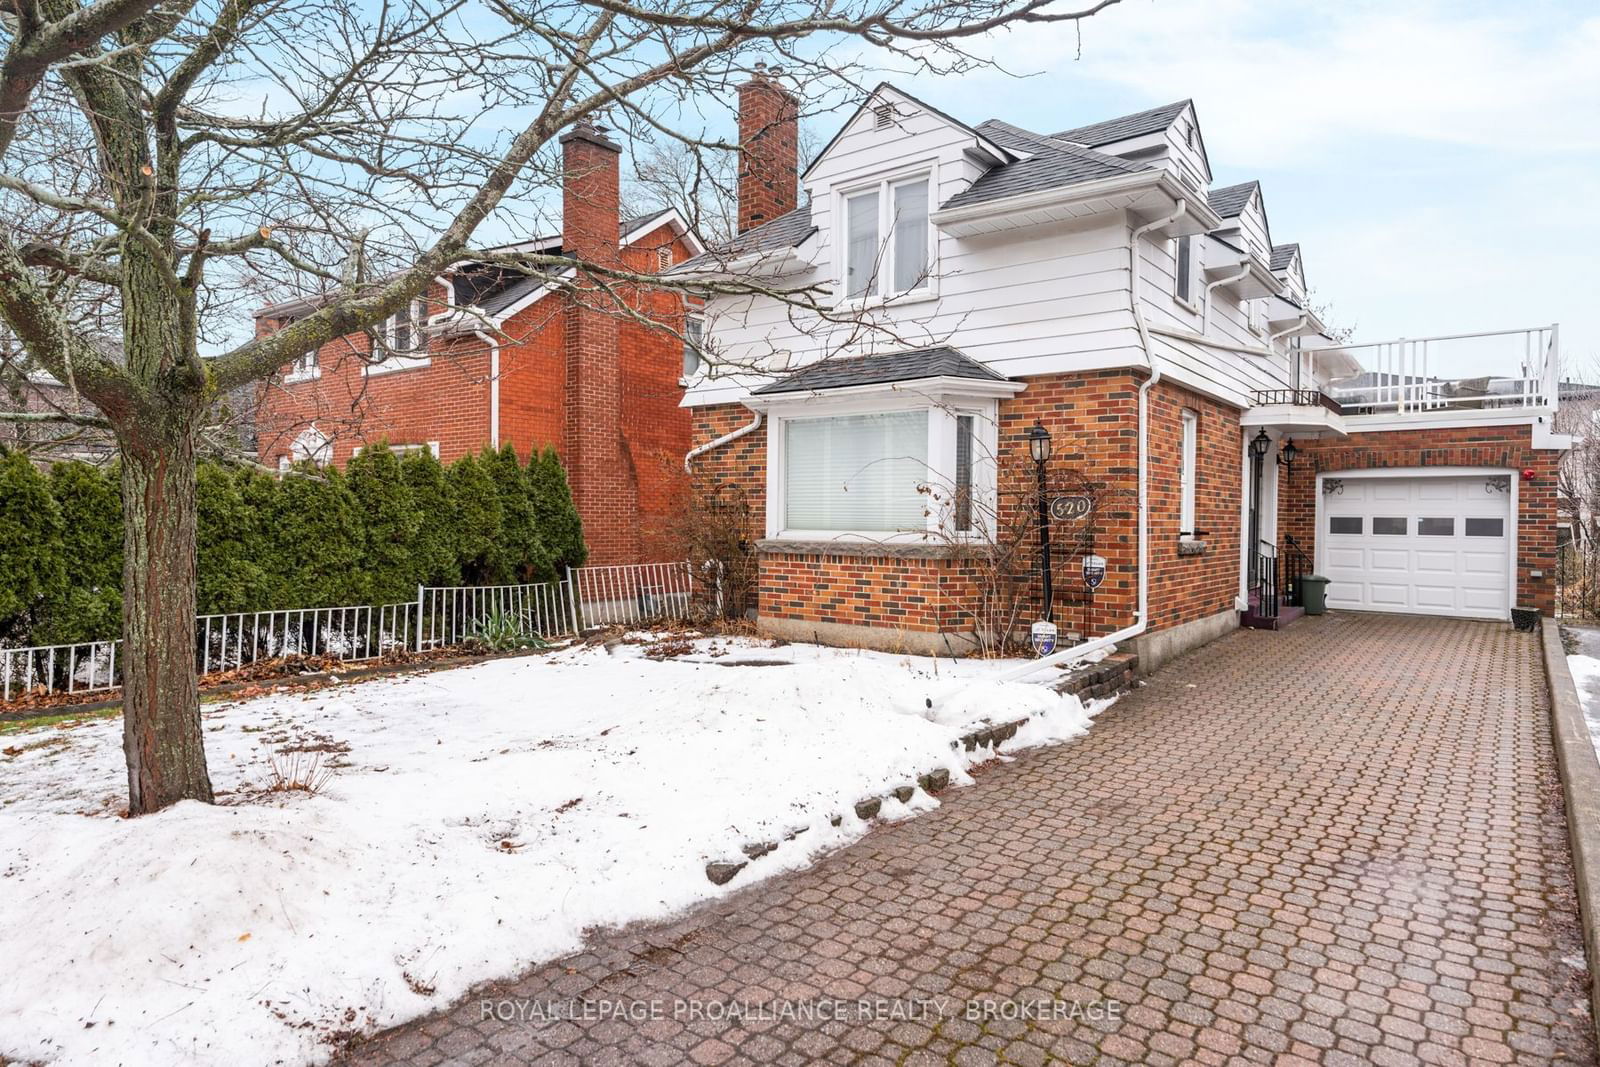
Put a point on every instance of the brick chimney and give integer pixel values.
(598, 467)
(769, 143)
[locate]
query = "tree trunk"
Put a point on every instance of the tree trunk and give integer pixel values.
(161, 733)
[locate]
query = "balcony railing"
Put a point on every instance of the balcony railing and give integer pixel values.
(1505, 369)
(1304, 398)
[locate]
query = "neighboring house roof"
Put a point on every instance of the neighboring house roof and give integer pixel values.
(785, 231)
(1230, 200)
(1283, 255)
(1125, 127)
(937, 362)
(1050, 164)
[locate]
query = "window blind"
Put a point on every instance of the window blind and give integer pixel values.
(910, 236)
(861, 255)
(856, 472)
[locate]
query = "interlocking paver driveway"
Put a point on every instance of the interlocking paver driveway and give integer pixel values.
(1340, 843)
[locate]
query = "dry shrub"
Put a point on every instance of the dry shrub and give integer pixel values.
(297, 772)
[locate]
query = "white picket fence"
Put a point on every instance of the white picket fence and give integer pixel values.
(440, 617)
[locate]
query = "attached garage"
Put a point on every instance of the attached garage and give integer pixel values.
(1435, 543)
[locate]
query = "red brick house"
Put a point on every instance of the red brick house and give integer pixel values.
(494, 356)
(990, 283)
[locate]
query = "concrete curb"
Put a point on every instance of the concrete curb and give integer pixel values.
(1580, 786)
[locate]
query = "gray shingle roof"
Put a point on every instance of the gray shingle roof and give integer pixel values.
(1125, 127)
(937, 362)
(785, 231)
(628, 225)
(1229, 201)
(1282, 255)
(1050, 165)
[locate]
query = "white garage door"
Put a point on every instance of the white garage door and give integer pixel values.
(1428, 545)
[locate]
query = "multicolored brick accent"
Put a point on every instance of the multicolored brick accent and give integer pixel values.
(1093, 421)
(1504, 447)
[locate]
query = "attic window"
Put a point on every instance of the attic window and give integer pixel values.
(883, 115)
(1188, 134)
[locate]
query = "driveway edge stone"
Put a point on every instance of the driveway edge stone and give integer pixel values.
(1580, 786)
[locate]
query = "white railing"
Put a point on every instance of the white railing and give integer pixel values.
(87, 667)
(1504, 369)
(636, 593)
(450, 615)
(440, 617)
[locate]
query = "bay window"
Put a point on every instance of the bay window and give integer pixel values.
(886, 239)
(881, 467)
(857, 472)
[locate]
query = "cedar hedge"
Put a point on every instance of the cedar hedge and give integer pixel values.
(316, 538)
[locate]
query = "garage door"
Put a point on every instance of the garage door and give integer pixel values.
(1430, 545)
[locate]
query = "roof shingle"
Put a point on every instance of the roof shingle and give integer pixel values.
(937, 362)
(1282, 255)
(1051, 164)
(1125, 127)
(1229, 201)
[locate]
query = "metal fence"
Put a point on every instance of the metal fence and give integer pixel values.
(441, 617)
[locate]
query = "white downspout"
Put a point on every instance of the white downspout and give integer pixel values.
(1205, 309)
(494, 386)
(1142, 620)
(751, 427)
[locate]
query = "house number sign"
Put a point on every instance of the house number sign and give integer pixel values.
(1068, 508)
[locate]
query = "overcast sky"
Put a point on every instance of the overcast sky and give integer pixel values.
(1439, 163)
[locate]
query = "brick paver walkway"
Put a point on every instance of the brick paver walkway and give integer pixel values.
(1341, 843)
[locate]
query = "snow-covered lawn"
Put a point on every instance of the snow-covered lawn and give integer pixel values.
(477, 820)
(1585, 667)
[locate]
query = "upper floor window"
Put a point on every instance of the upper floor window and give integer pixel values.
(1186, 275)
(402, 342)
(306, 367)
(1256, 315)
(694, 328)
(886, 239)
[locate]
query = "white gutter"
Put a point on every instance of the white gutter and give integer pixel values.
(1205, 308)
(750, 427)
(1271, 337)
(494, 387)
(1142, 620)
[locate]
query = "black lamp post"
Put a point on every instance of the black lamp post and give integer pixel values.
(1039, 449)
(1286, 456)
(1260, 445)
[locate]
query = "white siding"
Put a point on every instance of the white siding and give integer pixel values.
(1034, 300)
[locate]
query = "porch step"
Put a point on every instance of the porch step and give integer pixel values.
(1287, 613)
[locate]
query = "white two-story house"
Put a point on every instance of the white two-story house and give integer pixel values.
(957, 290)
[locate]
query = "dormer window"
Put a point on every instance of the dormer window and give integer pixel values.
(886, 239)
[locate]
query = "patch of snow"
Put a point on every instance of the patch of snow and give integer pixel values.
(1586, 674)
(478, 820)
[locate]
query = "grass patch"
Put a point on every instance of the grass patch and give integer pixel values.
(55, 718)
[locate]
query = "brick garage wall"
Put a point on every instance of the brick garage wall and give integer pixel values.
(1508, 447)
(1093, 421)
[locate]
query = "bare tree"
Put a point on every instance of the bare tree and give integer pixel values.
(172, 162)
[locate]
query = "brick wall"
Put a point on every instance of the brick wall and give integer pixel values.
(1093, 421)
(1508, 447)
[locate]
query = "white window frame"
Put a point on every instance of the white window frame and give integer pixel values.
(1196, 274)
(307, 367)
(403, 450)
(1255, 317)
(1188, 457)
(885, 186)
(697, 346)
(313, 445)
(391, 364)
(944, 399)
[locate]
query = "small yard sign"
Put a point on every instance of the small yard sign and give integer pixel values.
(1094, 571)
(1043, 637)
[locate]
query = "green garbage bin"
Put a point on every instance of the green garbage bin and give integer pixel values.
(1314, 593)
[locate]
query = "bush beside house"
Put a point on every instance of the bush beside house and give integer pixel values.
(318, 538)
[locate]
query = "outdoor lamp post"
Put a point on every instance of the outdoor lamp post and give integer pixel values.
(1286, 456)
(1039, 448)
(1260, 445)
